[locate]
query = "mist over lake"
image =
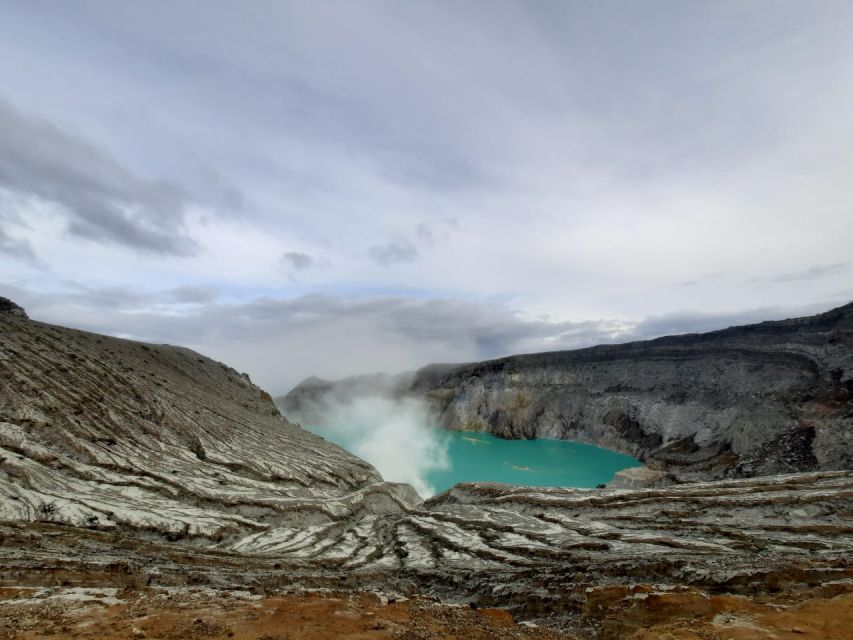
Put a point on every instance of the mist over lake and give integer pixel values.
(398, 438)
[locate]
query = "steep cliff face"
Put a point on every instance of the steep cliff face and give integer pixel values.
(768, 398)
(110, 434)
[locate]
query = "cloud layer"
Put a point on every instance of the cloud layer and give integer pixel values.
(337, 187)
(98, 198)
(281, 341)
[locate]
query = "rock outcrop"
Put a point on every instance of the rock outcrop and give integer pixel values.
(137, 465)
(775, 397)
(10, 308)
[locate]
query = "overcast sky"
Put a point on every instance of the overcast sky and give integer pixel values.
(341, 187)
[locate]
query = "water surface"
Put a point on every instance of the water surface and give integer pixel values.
(480, 457)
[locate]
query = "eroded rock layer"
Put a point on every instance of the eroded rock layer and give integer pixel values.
(106, 433)
(571, 559)
(775, 397)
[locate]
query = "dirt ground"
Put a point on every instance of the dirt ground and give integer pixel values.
(178, 614)
(741, 619)
(199, 613)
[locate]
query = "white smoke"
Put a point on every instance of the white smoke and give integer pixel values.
(394, 435)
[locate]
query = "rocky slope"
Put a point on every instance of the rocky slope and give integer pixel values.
(136, 466)
(774, 397)
(111, 434)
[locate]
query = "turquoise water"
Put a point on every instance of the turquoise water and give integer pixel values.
(479, 457)
(435, 460)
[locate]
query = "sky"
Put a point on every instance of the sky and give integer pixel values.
(342, 187)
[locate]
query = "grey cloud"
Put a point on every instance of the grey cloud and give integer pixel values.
(396, 251)
(192, 295)
(130, 300)
(700, 279)
(429, 232)
(18, 248)
(813, 273)
(221, 193)
(119, 299)
(299, 261)
(102, 200)
(589, 122)
(380, 110)
(15, 247)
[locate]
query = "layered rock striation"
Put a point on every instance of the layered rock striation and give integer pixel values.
(774, 397)
(111, 434)
(574, 559)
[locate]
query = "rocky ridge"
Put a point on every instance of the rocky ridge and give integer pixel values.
(136, 465)
(774, 397)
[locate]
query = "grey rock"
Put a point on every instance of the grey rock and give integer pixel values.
(639, 478)
(10, 308)
(118, 435)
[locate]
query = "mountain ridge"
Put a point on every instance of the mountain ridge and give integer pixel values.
(747, 400)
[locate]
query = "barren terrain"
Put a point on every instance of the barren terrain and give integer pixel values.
(171, 485)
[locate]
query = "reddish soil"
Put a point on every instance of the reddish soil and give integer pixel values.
(622, 613)
(642, 613)
(741, 619)
(27, 614)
